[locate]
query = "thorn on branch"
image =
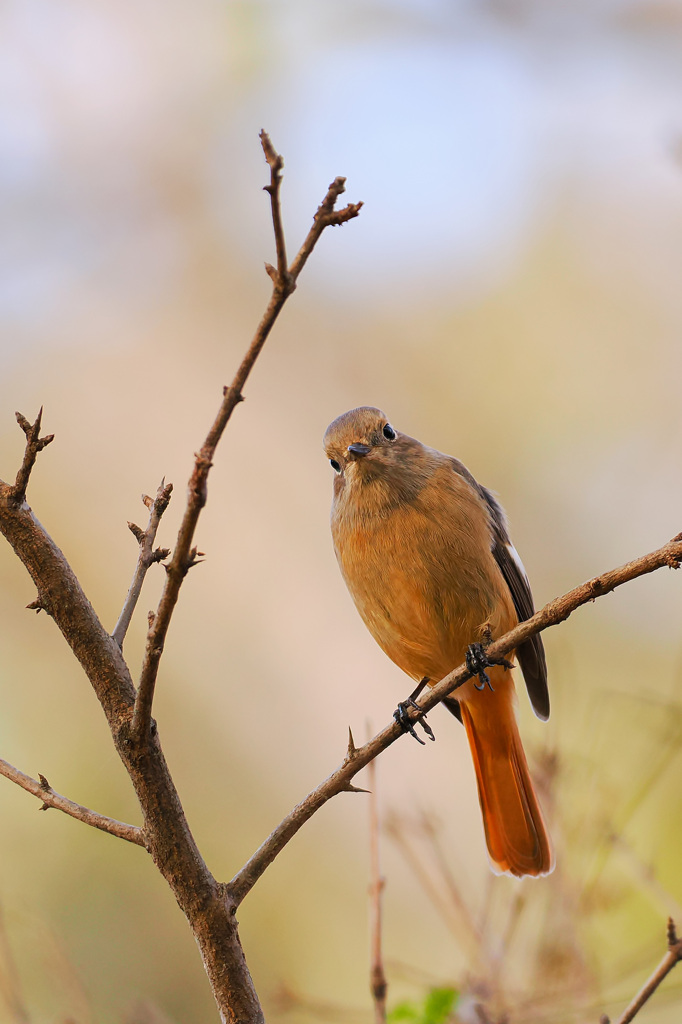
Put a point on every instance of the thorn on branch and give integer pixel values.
(227, 390)
(36, 606)
(350, 788)
(352, 749)
(44, 784)
(195, 558)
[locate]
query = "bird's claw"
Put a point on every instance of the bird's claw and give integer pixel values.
(402, 717)
(477, 662)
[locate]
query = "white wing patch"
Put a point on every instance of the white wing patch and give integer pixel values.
(517, 561)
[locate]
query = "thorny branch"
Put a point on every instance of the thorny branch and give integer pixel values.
(185, 555)
(671, 958)
(147, 556)
(44, 791)
(358, 757)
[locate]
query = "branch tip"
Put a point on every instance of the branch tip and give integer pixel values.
(671, 932)
(34, 444)
(23, 422)
(49, 798)
(274, 160)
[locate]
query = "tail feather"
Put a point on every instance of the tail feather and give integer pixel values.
(516, 835)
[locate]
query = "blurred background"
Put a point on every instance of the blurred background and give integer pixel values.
(509, 294)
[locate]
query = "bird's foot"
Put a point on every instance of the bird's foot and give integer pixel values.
(402, 716)
(477, 662)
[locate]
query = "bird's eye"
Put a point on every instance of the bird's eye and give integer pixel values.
(389, 432)
(335, 465)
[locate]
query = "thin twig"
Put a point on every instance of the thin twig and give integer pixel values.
(147, 556)
(185, 555)
(671, 958)
(276, 165)
(44, 791)
(34, 444)
(378, 983)
(339, 781)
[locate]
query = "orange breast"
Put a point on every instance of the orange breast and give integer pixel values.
(423, 577)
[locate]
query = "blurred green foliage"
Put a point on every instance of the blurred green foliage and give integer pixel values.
(436, 1008)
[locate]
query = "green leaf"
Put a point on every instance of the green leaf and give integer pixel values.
(438, 1005)
(436, 1009)
(405, 1011)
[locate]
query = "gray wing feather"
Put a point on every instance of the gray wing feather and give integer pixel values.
(531, 653)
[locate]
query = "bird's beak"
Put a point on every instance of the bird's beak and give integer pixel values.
(359, 450)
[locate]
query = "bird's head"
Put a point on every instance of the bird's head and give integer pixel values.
(362, 443)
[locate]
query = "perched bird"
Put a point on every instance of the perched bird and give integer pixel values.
(426, 556)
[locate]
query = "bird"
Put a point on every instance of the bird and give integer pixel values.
(424, 550)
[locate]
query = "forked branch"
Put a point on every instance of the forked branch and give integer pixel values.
(167, 836)
(185, 555)
(358, 757)
(147, 556)
(34, 444)
(50, 798)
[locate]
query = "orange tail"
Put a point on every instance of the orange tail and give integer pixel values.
(517, 838)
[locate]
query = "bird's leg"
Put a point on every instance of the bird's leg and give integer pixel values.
(402, 717)
(477, 662)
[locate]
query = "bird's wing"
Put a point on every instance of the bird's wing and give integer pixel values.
(531, 653)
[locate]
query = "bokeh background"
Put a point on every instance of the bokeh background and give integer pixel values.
(510, 294)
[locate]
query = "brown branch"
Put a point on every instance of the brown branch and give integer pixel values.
(50, 798)
(207, 905)
(34, 444)
(358, 757)
(184, 555)
(378, 983)
(147, 556)
(276, 164)
(671, 958)
(168, 836)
